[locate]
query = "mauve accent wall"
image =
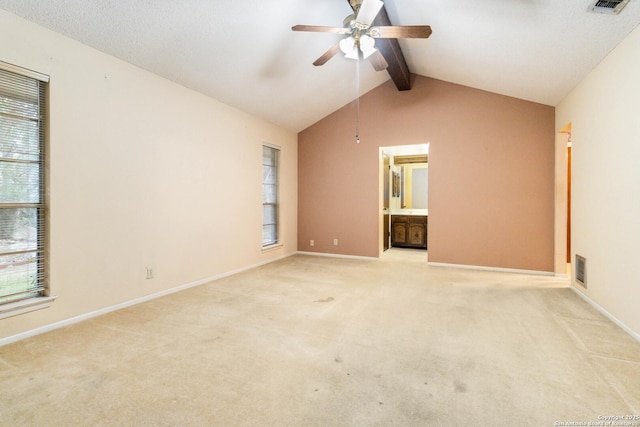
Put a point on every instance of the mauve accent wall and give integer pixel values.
(491, 175)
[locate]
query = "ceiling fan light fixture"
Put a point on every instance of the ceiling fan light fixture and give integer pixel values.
(349, 48)
(367, 46)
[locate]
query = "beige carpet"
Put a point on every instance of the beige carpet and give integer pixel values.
(315, 341)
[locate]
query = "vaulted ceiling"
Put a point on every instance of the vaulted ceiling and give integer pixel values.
(244, 53)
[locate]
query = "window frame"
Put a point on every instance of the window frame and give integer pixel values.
(40, 298)
(276, 241)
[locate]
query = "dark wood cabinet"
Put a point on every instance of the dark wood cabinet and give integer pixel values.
(398, 232)
(409, 231)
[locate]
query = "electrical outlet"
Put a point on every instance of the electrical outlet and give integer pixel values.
(311, 243)
(335, 242)
(149, 273)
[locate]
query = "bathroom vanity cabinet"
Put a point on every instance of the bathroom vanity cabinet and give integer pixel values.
(409, 231)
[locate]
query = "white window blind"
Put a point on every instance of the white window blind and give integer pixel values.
(22, 183)
(270, 157)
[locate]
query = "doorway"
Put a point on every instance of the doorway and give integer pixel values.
(404, 196)
(562, 215)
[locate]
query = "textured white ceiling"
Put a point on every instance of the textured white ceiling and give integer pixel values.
(244, 53)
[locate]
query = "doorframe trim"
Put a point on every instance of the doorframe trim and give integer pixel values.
(560, 203)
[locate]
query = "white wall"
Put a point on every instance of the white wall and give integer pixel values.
(143, 172)
(604, 111)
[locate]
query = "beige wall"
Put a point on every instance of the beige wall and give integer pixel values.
(143, 172)
(604, 111)
(491, 175)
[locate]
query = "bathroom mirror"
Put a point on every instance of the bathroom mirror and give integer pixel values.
(406, 180)
(414, 186)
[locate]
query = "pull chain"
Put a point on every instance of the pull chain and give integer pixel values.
(358, 101)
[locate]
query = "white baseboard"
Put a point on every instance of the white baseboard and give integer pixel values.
(92, 314)
(366, 258)
(604, 312)
(496, 269)
(439, 264)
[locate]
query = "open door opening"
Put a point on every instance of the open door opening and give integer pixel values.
(562, 221)
(404, 194)
(569, 199)
(386, 191)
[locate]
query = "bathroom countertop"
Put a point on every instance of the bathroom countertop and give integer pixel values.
(416, 212)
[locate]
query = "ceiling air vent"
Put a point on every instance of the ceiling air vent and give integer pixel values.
(612, 7)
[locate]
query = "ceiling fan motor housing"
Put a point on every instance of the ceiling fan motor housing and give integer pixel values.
(348, 20)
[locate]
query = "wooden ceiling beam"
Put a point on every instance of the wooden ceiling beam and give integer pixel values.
(390, 50)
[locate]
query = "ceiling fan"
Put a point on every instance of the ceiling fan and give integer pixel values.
(361, 35)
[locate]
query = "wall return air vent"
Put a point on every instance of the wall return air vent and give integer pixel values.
(581, 270)
(612, 7)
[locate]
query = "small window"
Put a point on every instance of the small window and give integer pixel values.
(270, 157)
(22, 176)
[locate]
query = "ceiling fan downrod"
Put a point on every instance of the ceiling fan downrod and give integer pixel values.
(355, 5)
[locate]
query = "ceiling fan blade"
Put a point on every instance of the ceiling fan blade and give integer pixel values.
(378, 61)
(400, 32)
(321, 29)
(368, 11)
(327, 55)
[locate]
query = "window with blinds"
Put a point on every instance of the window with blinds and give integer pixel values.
(270, 157)
(22, 184)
